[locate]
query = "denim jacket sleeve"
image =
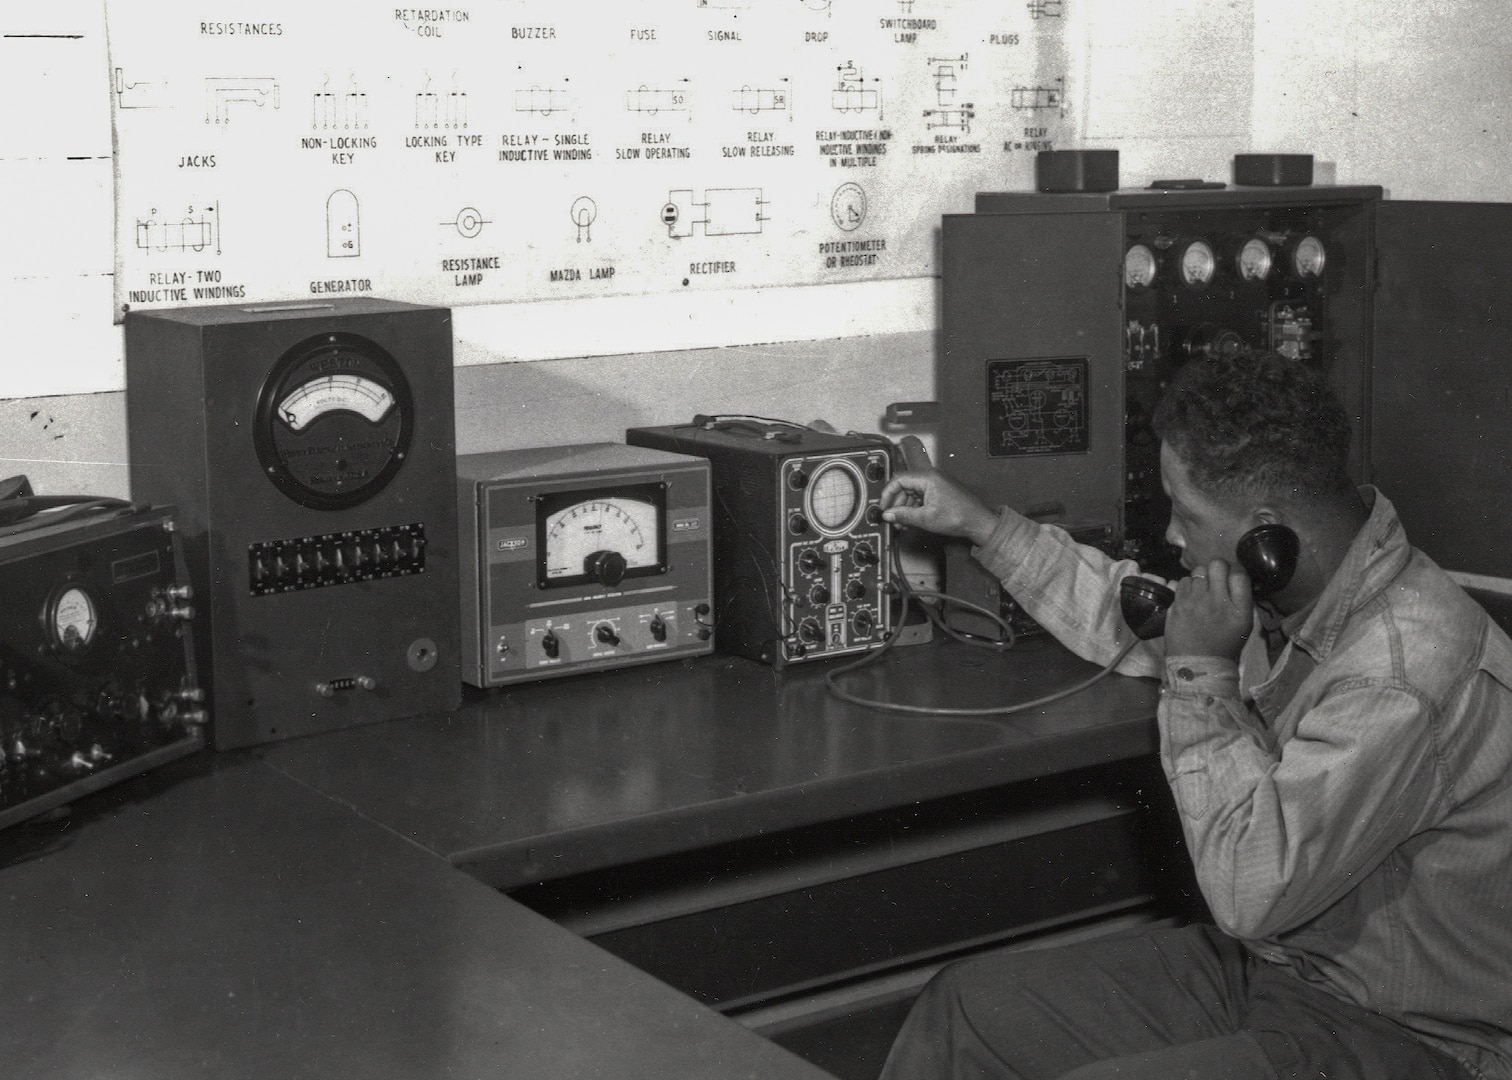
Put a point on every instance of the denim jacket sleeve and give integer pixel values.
(1068, 588)
(1277, 838)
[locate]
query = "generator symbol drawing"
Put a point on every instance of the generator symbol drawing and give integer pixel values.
(723, 212)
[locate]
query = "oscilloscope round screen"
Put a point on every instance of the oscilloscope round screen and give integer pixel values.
(334, 421)
(833, 499)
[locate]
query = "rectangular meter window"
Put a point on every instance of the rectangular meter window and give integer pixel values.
(601, 535)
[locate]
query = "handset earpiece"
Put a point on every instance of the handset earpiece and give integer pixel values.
(1144, 604)
(1269, 555)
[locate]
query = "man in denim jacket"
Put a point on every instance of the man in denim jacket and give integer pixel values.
(1340, 755)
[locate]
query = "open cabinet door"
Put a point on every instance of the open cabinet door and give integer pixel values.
(1441, 424)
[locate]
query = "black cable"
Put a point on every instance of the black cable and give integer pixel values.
(41, 511)
(909, 594)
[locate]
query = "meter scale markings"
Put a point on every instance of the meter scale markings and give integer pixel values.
(332, 393)
(579, 536)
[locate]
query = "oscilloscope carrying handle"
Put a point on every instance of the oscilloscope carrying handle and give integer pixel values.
(19, 507)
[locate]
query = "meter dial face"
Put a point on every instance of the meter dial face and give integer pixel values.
(1198, 263)
(601, 536)
(1139, 267)
(832, 500)
(334, 421)
(1308, 257)
(1254, 260)
(72, 619)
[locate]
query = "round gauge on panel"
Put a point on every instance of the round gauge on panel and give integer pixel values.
(833, 499)
(1197, 262)
(334, 421)
(71, 619)
(1309, 257)
(1254, 260)
(1139, 267)
(601, 539)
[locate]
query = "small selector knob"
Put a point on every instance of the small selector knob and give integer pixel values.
(855, 590)
(810, 562)
(863, 623)
(810, 631)
(606, 634)
(659, 628)
(819, 595)
(551, 645)
(606, 567)
(865, 555)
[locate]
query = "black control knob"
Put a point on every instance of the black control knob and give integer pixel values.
(865, 555)
(810, 631)
(798, 524)
(863, 623)
(659, 628)
(605, 634)
(605, 567)
(810, 562)
(819, 595)
(551, 645)
(854, 590)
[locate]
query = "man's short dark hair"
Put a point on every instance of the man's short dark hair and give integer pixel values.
(1257, 425)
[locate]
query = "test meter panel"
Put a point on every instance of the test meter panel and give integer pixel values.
(1065, 316)
(579, 558)
(98, 679)
(310, 451)
(802, 561)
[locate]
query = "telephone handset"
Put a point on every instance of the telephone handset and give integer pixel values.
(1268, 553)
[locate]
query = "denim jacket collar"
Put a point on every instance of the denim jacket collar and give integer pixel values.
(1377, 555)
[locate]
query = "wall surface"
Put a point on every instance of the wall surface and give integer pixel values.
(1411, 95)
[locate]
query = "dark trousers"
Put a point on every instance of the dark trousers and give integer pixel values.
(1168, 1004)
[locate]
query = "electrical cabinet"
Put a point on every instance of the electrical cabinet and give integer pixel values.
(1065, 316)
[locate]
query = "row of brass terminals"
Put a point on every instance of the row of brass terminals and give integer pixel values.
(312, 562)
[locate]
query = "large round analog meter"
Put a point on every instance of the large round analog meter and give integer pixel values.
(833, 498)
(334, 421)
(1254, 260)
(602, 539)
(1309, 257)
(1197, 262)
(1139, 267)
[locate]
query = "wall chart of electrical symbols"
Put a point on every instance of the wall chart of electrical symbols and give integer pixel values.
(541, 149)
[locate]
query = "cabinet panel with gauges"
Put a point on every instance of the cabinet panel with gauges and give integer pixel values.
(1116, 291)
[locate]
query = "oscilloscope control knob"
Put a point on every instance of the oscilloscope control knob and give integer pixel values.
(819, 595)
(863, 623)
(864, 554)
(810, 631)
(551, 645)
(855, 590)
(811, 562)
